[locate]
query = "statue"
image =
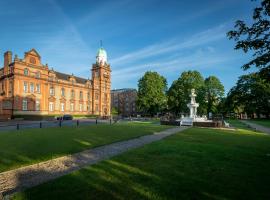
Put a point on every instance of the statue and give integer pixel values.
(193, 105)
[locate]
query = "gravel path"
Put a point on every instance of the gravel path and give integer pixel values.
(32, 175)
(257, 126)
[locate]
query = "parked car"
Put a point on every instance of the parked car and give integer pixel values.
(65, 117)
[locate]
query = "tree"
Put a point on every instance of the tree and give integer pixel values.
(255, 38)
(114, 111)
(251, 95)
(178, 94)
(152, 89)
(214, 91)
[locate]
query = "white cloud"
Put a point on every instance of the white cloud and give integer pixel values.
(204, 37)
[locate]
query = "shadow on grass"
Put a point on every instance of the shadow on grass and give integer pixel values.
(195, 164)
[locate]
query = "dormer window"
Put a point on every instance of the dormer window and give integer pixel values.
(32, 60)
(26, 72)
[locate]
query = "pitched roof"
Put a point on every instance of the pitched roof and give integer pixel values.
(66, 77)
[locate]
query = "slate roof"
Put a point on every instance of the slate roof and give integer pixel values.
(66, 77)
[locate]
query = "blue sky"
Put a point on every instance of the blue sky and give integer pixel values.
(164, 36)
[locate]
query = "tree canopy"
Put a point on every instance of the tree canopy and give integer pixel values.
(250, 95)
(255, 38)
(152, 89)
(178, 93)
(214, 91)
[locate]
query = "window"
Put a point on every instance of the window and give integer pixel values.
(25, 86)
(51, 107)
(88, 95)
(25, 72)
(72, 107)
(97, 74)
(51, 91)
(96, 96)
(10, 87)
(37, 74)
(31, 87)
(62, 107)
(81, 107)
(88, 108)
(72, 94)
(24, 104)
(38, 88)
(37, 105)
(62, 92)
(32, 60)
(81, 95)
(96, 108)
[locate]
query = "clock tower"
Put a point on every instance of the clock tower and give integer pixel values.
(101, 79)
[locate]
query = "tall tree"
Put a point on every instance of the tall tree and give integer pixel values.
(251, 95)
(152, 89)
(178, 94)
(214, 91)
(255, 38)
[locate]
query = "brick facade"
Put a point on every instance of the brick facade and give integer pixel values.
(124, 101)
(27, 87)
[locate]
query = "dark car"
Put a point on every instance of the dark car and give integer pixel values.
(65, 117)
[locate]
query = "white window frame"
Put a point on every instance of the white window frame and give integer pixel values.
(32, 87)
(38, 88)
(62, 107)
(37, 105)
(72, 107)
(81, 107)
(51, 91)
(24, 104)
(51, 106)
(25, 86)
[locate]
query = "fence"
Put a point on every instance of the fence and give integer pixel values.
(47, 124)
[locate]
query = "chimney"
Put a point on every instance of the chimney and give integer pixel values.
(7, 58)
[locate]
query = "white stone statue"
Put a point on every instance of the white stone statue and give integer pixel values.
(193, 105)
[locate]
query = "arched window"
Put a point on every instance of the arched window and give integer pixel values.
(81, 95)
(63, 92)
(26, 72)
(72, 94)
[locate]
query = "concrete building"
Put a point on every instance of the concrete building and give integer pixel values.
(27, 87)
(124, 100)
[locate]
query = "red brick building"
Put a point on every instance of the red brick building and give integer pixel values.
(27, 87)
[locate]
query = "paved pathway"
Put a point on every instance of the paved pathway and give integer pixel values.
(32, 175)
(257, 126)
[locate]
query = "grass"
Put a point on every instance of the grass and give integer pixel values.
(24, 147)
(238, 124)
(263, 122)
(198, 163)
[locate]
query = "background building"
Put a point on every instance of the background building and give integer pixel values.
(27, 87)
(124, 101)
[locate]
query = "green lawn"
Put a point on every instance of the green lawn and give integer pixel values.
(29, 146)
(263, 122)
(198, 163)
(238, 124)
